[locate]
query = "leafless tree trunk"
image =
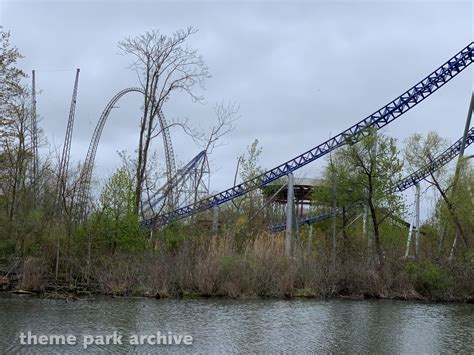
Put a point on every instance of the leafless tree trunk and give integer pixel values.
(164, 64)
(451, 210)
(226, 116)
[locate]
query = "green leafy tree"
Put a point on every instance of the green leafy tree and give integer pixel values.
(338, 191)
(366, 172)
(11, 76)
(121, 226)
(249, 169)
(15, 154)
(249, 162)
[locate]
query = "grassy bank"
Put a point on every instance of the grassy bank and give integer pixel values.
(218, 267)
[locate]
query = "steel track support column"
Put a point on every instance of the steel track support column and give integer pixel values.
(410, 233)
(461, 154)
(417, 221)
(64, 162)
(453, 247)
(290, 215)
(467, 127)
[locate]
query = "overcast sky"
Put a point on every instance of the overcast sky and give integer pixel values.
(300, 71)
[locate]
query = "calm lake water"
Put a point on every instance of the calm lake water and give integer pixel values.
(253, 326)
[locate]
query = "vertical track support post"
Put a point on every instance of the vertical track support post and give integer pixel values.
(461, 155)
(417, 221)
(290, 215)
(410, 233)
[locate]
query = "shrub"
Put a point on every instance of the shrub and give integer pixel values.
(428, 278)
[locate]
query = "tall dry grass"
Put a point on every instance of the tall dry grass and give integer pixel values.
(219, 266)
(33, 273)
(216, 267)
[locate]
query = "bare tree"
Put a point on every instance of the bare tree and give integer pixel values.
(205, 140)
(226, 117)
(164, 64)
(13, 122)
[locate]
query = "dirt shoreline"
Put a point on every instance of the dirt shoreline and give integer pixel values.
(74, 295)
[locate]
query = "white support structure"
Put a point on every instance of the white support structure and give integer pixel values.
(290, 215)
(415, 226)
(410, 234)
(417, 220)
(453, 247)
(461, 155)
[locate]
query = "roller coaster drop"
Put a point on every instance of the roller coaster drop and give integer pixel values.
(377, 120)
(86, 173)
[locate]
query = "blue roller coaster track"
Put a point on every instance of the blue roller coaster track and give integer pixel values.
(438, 162)
(175, 180)
(377, 120)
(86, 173)
(404, 184)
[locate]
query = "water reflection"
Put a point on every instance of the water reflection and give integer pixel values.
(227, 326)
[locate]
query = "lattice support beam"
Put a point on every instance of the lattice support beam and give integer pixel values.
(66, 153)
